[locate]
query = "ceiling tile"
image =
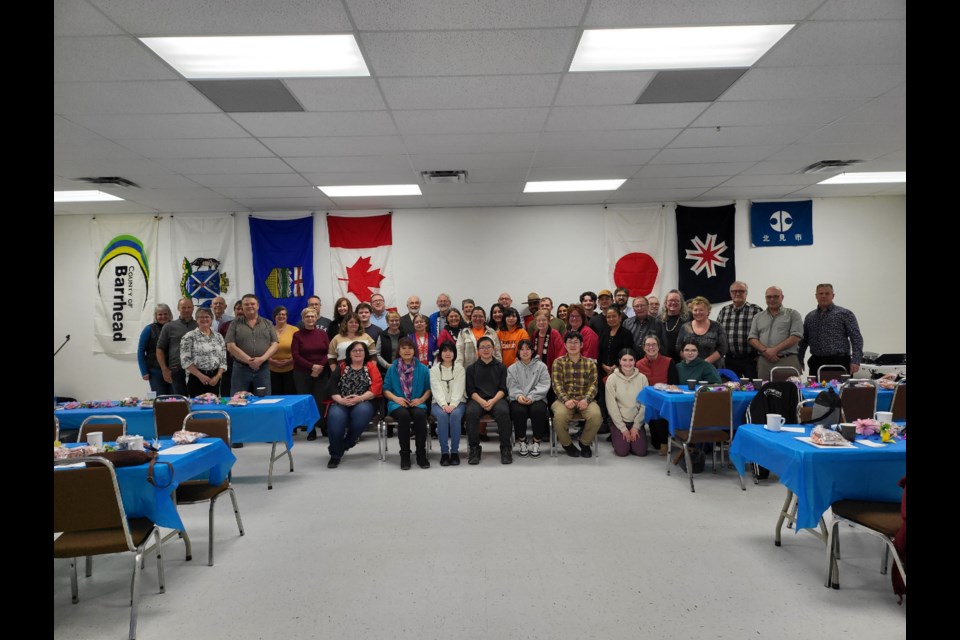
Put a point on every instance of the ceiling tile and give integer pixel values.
(603, 88)
(333, 123)
(360, 164)
(468, 161)
(211, 148)
(395, 176)
(247, 193)
(335, 146)
(765, 112)
(616, 14)
(831, 82)
(162, 126)
(128, 97)
(250, 180)
(694, 169)
(226, 165)
(336, 94)
(581, 172)
(109, 58)
(470, 121)
(716, 154)
(597, 140)
(635, 157)
(861, 9)
(654, 195)
(415, 15)
(854, 132)
(742, 136)
(474, 200)
(73, 18)
(474, 143)
(865, 42)
(641, 116)
(470, 92)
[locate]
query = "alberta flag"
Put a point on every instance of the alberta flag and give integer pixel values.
(360, 257)
(282, 264)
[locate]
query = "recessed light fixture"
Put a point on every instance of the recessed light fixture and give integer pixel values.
(867, 177)
(675, 47)
(359, 190)
(573, 185)
(261, 56)
(83, 196)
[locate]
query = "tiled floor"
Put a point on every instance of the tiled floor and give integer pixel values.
(545, 548)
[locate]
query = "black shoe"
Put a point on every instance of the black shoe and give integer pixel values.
(422, 461)
(404, 460)
(237, 445)
(474, 455)
(484, 437)
(454, 459)
(763, 473)
(572, 450)
(585, 451)
(389, 431)
(312, 435)
(444, 459)
(604, 428)
(609, 438)
(333, 463)
(506, 456)
(433, 432)
(323, 431)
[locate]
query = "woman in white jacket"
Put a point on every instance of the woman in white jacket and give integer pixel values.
(528, 382)
(623, 386)
(448, 382)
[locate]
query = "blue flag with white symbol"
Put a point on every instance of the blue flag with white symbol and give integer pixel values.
(781, 224)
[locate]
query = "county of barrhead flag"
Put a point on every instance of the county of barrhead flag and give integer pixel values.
(360, 257)
(705, 251)
(781, 224)
(639, 257)
(282, 264)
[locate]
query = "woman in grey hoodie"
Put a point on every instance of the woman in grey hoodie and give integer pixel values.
(528, 382)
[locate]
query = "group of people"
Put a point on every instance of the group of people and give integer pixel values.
(463, 366)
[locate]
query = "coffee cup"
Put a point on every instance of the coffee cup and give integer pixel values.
(849, 431)
(691, 384)
(260, 392)
(95, 438)
(884, 417)
(775, 421)
(136, 443)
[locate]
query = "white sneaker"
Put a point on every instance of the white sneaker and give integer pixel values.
(523, 449)
(535, 450)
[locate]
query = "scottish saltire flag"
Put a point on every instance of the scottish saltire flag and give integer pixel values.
(282, 264)
(202, 250)
(361, 250)
(639, 256)
(781, 224)
(705, 251)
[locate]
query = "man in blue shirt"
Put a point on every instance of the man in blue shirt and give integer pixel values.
(832, 334)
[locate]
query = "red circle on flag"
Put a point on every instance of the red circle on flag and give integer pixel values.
(636, 272)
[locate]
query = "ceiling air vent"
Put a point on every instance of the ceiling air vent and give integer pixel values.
(438, 177)
(113, 181)
(829, 165)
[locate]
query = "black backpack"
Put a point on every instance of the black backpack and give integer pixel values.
(826, 408)
(781, 398)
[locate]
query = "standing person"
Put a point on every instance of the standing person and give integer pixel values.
(614, 339)
(533, 305)
(562, 310)
(693, 367)
(219, 307)
(448, 385)
(203, 356)
(654, 303)
(351, 330)
(621, 298)
(672, 317)
(736, 318)
(147, 351)
(341, 309)
(438, 319)
(576, 321)
(281, 362)
(708, 335)
(505, 300)
(575, 383)
(454, 325)
(226, 387)
(832, 334)
(407, 390)
(310, 372)
(775, 333)
(425, 344)
(511, 332)
(469, 338)
(528, 381)
(379, 316)
(659, 369)
(413, 310)
(496, 316)
(388, 342)
(168, 347)
(322, 323)
(486, 389)
(641, 322)
(546, 304)
(547, 342)
(599, 320)
(467, 306)
(626, 413)
(251, 340)
(354, 387)
(365, 311)
(589, 301)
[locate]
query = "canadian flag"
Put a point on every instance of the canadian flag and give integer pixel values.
(361, 257)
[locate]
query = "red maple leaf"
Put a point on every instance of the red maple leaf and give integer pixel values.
(361, 278)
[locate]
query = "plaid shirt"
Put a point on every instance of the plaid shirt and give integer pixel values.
(736, 324)
(574, 380)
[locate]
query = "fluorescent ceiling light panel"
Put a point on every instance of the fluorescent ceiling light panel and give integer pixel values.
(867, 177)
(675, 48)
(573, 185)
(83, 196)
(261, 56)
(359, 190)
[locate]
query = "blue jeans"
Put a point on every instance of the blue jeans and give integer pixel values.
(246, 379)
(158, 384)
(345, 424)
(448, 425)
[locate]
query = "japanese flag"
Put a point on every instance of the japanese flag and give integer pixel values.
(637, 249)
(360, 257)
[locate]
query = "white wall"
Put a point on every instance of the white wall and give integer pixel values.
(557, 251)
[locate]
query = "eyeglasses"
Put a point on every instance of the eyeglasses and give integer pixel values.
(732, 291)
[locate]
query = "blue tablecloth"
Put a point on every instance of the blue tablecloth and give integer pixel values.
(677, 408)
(884, 397)
(820, 477)
(255, 422)
(142, 499)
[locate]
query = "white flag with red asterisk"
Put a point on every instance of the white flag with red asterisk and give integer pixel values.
(360, 257)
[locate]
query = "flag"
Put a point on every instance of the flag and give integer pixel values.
(124, 255)
(781, 224)
(282, 263)
(202, 257)
(638, 257)
(705, 251)
(361, 251)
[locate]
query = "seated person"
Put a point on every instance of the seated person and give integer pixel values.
(575, 383)
(407, 390)
(528, 381)
(693, 367)
(486, 391)
(659, 369)
(354, 387)
(626, 413)
(448, 383)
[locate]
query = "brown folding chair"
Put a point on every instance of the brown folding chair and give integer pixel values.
(111, 430)
(828, 372)
(576, 424)
(898, 406)
(880, 519)
(168, 414)
(88, 514)
(858, 400)
(712, 421)
(56, 429)
(215, 424)
(780, 374)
